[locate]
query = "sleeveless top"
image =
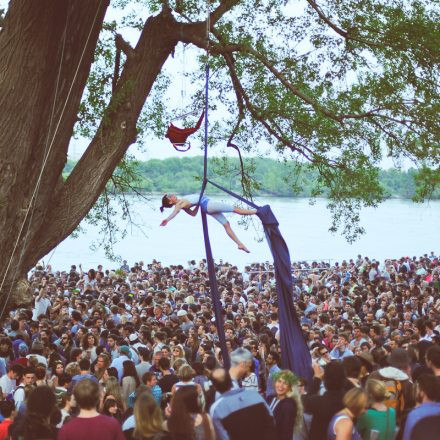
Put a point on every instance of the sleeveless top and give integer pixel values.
(194, 199)
(331, 435)
(199, 430)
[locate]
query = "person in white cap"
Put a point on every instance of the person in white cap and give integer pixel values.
(186, 323)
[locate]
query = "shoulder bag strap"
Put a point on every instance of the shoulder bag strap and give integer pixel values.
(387, 428)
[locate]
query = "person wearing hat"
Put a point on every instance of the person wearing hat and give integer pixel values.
(185, 322)
(118, 363)
(135, 342)
(397, 381)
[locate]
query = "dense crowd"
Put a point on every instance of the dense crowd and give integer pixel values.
(134, 353)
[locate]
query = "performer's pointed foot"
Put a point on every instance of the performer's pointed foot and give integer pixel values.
(244, 248)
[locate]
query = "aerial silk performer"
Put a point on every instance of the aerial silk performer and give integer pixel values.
(190, 204)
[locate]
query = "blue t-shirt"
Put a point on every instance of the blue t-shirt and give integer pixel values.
(427, 409)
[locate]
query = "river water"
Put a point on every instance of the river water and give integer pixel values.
(394, 229)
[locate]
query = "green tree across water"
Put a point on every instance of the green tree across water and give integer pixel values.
(182, 176)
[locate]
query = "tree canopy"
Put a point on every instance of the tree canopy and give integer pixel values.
(335, 85)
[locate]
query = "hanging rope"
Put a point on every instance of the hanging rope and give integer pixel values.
(215, 296)
(46, 157)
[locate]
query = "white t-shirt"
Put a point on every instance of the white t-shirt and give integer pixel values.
(41, 306)
(7, 385)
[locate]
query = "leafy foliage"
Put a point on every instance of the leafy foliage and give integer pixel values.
(334, 87)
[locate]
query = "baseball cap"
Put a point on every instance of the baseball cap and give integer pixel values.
(133, 337)
(124, 349)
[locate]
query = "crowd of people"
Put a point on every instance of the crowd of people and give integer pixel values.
(134, 353)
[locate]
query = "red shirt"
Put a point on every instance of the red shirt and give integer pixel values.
(93, 428)
(4, 426)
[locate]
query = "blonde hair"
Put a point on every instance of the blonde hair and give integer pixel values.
(376, 391)
(355, 400)
(186, 373)
(178, 363)
(72, 368)
(290, 378)
(147, 415)
(112, 388)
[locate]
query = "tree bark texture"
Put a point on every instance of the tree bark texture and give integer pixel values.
(36, 113)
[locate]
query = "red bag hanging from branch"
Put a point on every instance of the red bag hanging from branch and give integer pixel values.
(178, 136)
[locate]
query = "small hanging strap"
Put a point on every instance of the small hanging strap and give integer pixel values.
(179, 135)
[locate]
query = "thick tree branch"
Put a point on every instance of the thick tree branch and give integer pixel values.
(195, 32)
(124, 46)
(222, 8)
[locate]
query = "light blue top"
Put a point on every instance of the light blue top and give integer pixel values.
(194, 199)
(427, 409)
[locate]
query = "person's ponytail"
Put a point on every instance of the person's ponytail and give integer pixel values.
(165, 203)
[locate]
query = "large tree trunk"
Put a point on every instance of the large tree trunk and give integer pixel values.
(35, 59)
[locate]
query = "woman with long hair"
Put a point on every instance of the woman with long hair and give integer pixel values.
(89, 342)
(57, 371)
(286, 405)
(378, 418)
(148, 422)
(193, 344)
(210, 207)
(113, 391)
(37, 420)
(101, 365)
(343, 424)
(111, 409)
(187, 420)
(130, 380)
(177, 353)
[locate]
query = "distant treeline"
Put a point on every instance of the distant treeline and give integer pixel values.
(183, 176)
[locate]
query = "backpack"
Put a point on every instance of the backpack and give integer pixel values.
(11, 395)
(396, 398)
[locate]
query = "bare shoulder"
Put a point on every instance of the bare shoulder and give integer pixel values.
(344, 426)
(183, 203)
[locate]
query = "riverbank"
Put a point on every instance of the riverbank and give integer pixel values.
(182, 176)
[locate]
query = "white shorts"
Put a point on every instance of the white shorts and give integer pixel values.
(215, 209)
